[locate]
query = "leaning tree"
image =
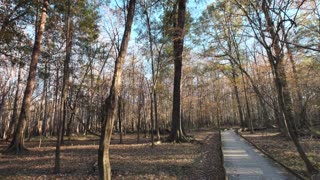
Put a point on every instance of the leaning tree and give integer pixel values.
(17, 144)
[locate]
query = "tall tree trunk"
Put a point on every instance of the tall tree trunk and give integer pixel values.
(154, 80)
(3, 103)
(178, 39)
(56, 105)
(45, 113)
(43, 107)
(120, 118)
(140, 107)
(65, 86)
(301, 117)
(17, 144)
(156, 114)
(145, 122)
(247, 104)
(111, 101)
(236, 91)
(69, 130)
(152, 118)
(286, 106)
(277, 63)
(3, 98)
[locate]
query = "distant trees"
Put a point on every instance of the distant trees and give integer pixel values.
(256, 49)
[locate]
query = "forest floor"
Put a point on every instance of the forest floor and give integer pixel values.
(283, 149)
(197, 160)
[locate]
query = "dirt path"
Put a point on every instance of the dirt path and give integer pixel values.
(243, 161)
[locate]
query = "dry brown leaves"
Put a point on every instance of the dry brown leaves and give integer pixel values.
(129, 160)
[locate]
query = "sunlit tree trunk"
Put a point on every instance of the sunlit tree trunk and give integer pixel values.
(17, 144)
(140, 108)
(154, 106)
(65, 86)
(111, 102)
(236, 91)
(55, 105)
(45, 113)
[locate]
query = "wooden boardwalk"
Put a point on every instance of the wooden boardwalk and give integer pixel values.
(243, 161)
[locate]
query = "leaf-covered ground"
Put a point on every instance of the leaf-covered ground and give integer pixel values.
(197, 160)
(283, 149)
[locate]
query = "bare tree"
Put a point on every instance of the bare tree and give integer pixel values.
(65, 86)
(111, 101)
(275, 54)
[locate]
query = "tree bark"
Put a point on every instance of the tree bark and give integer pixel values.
(236, 91)
(65, 86)
(120, 118)
(247, 104)
(111, 101)
(152, 118)
(45, 113)
(154, 81)
(56, 105)
(140, 107)
(176, 134)
(17, 144)
(156, 119)
(286, 106)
